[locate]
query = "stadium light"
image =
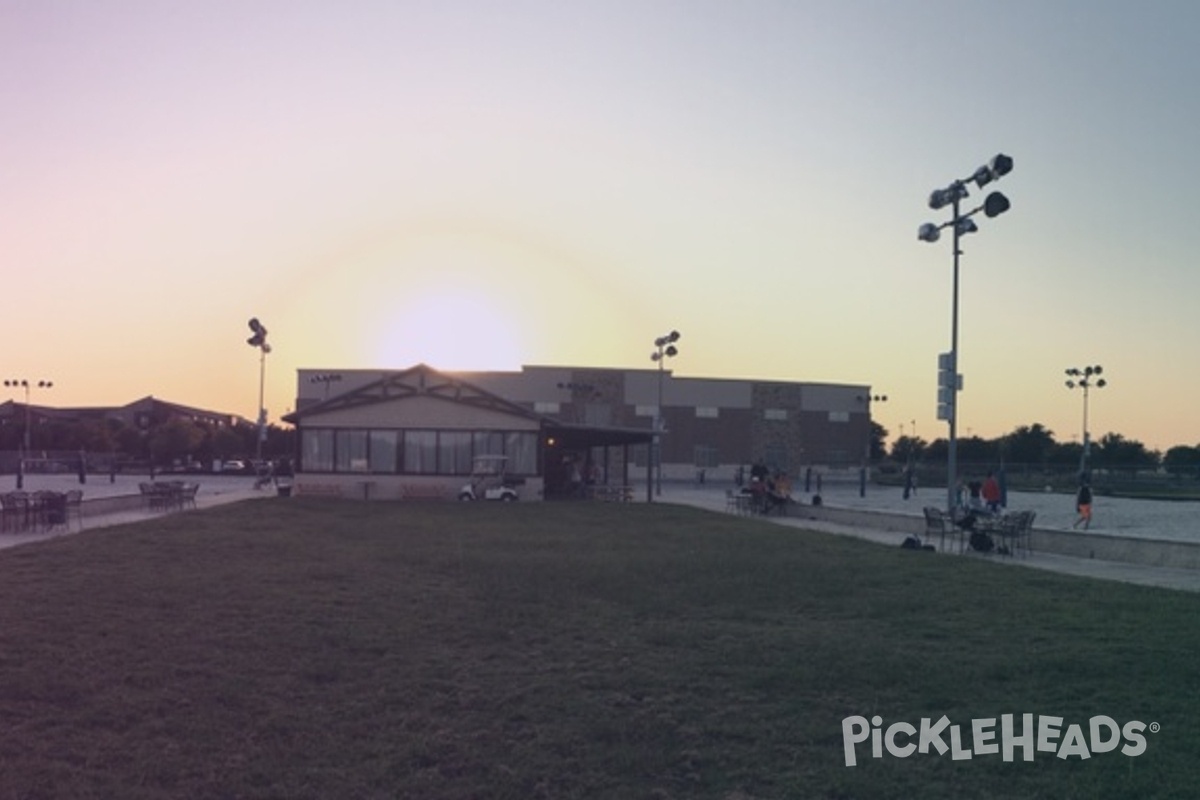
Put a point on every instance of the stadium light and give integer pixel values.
(259, 339)
(960, 223)
(664, 348)
(1085, 379)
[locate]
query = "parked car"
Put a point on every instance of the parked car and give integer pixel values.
(234, 465)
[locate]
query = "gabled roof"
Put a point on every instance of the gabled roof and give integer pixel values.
(421, 380)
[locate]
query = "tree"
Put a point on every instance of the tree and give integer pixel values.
(1182, 460)
(175, 440)
(1065, 455)
(908, 448)
(1115, 451)
(1030, 444)
(976, 450)
(879, 435)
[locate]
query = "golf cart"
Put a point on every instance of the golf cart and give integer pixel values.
(488, 481)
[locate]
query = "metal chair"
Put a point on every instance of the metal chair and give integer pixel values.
(1015, 531)
(939, 524)
(74, 499)
(14, 511)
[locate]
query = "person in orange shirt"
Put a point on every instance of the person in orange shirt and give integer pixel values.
(991, 493)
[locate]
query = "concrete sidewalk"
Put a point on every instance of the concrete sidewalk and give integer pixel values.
(105, 520)
(1165, 577)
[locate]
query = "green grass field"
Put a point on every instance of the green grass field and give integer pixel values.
(290, 648)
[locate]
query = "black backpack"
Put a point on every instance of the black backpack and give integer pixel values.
(981, 542)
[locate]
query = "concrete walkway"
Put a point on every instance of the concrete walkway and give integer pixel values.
(138, 514)
(1166, 577)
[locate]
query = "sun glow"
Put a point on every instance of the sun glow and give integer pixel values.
(451, 329)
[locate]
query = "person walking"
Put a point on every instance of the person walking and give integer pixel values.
(1083, 505)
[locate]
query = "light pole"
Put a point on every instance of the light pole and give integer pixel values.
(259, 340)
(664, 348)
(27, 385)
(862, 473)
(1085, 379)
(949, 379)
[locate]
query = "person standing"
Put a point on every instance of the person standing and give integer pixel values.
(991, 493)
(1083, 505)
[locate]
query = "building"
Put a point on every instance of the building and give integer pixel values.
(417, 433)
(358, 428)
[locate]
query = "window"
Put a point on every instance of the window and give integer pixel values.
(645, 411)
(351, 451)
(521, 449)
(777, 414)
(839, 416)
(707, 412)
(420, 452)
(543, 407)
(776, 456)
(488, 443)
(414, 452)
(316, 450)
(454, 452)
(384, 447)
(706, 456)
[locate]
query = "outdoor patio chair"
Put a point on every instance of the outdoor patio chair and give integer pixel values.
(939, 524)
(75, 507)
(187, 495)
(1014, 532)
(49, 510)
(14, 508)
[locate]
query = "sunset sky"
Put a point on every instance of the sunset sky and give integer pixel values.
(481, 185)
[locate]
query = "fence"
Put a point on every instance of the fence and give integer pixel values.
(1121, 480)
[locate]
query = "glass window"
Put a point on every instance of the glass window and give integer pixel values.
(707, 412)
(420, 452)
(521, 449)
(455, 452)
(384, 447)
(489, 443)
(351, 451)
(316, 450)
(706, 456)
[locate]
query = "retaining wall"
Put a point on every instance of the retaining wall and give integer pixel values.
(1079, 544)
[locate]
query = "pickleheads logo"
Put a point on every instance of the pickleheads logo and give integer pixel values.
(1047, 735)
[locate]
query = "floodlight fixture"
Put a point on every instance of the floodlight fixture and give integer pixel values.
(1000, 165)
(995, 205)
(966, 225)
(940, 198)
(983, 176)
(929, 232)
(259, 339)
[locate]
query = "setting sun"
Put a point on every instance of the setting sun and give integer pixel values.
(450, 329)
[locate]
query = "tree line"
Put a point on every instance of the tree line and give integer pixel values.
(1035, 445)
(175, 442)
